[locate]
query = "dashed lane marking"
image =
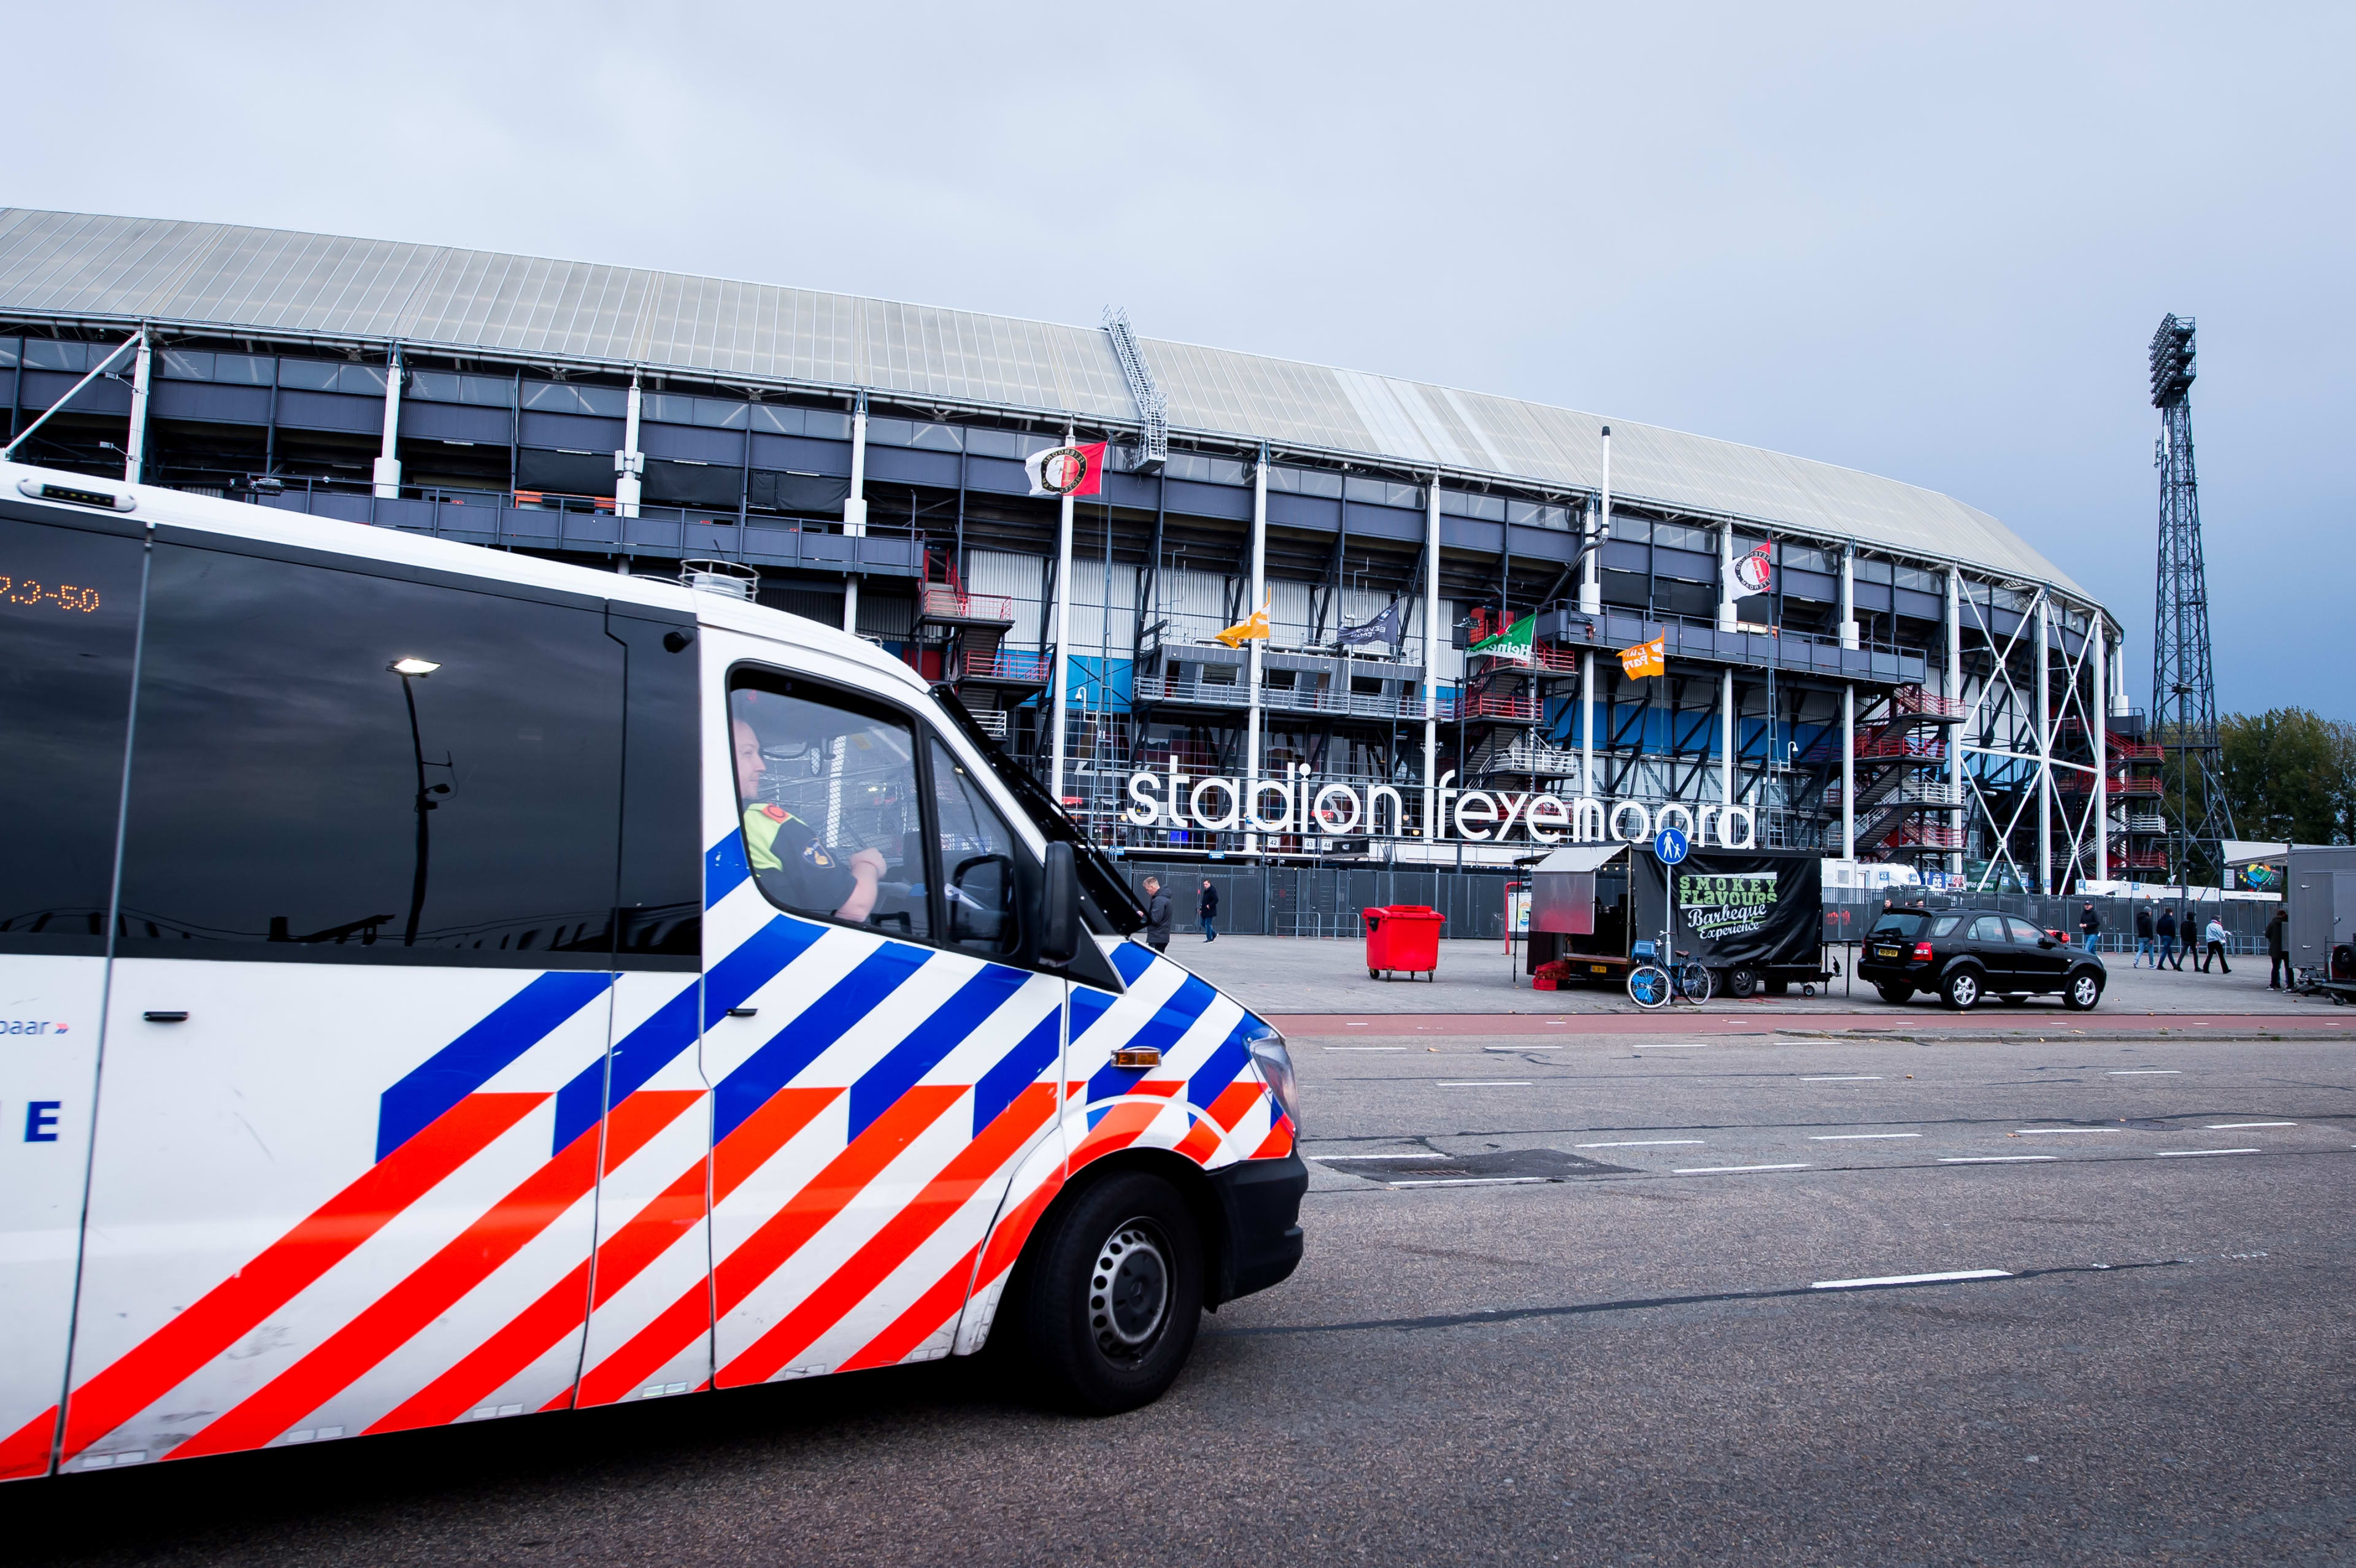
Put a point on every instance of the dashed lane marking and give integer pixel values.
(1472, 1182)
(1850, 1078)
(1481, 1083)
(2145, 1072)
(2029, 1132)
(1329, 1159)
(1731, 1169)
(1642, 1143)
(1881, 1281)
(2224, 1127)
(2192, 1152)
(1993, 1158)
(1856, 1137)
(1365, 1047)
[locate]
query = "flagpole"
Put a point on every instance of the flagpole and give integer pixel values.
(1063, 620)
(1431, 661)
(1259, 644)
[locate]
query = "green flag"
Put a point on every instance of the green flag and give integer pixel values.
(1512, 645)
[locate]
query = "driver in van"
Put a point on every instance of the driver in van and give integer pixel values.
(784, 853)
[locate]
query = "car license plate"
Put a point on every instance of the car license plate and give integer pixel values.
(1890, 951)
(1601, 968)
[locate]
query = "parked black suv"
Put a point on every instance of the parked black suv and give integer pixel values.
(1966, 954)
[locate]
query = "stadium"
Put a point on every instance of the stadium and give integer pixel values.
(1846, 664)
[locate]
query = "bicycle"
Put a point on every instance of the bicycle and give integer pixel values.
(1652, 985)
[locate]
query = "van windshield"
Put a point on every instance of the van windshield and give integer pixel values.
(1105, 899)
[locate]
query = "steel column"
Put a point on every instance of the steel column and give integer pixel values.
(134, 445)
(1063, 665)
(2098, 725)
(1259, 644)
(629, 463)
(2044, 746)
(1430, 656)
(1848, 770)
(1725, 740)
(855, 525)
(1954, 693)
(387, 476)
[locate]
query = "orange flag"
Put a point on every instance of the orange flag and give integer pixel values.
(1645, 658)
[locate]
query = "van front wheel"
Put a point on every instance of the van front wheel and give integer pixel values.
(1117, 1295)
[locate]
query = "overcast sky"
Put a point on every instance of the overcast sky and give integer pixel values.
(1932, 245)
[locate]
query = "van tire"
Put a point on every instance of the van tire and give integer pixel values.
(1116, 1296)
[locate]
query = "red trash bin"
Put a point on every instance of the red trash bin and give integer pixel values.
(1403, 938)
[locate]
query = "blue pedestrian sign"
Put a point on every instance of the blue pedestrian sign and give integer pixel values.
(1669, 845)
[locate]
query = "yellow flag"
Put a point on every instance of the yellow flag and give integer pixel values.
(1645, 658)
(1234, 637)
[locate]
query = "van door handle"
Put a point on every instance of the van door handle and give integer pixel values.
(743, 1012)
(166, 1018)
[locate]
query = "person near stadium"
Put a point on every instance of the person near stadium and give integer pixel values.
(2214, 936)
(2091, 924)
(2167, 933)
(2278, 950)
(1157, 915)
(2144, 948)
(1208, 906)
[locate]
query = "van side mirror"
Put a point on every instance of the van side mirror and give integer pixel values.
(1059, 926)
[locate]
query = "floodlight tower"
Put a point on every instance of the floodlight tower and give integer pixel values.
(2183, 686)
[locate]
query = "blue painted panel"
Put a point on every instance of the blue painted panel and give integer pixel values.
(330, 410)
(577, 432)
(43, 388)
(1543, 544)
(906, 465)
(1463, 533)
(1138, 490)
(1922, 606)
(1197, 501)
(1817, 587)
(451, 421)
(1391, 522)
(693, 442)
(1871, 595)
(1315, 513)
(213, 405)
(998, 475)
(801, 454)
(1685, 565)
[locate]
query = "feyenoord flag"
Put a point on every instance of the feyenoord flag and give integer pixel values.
(1645, 658)
(1244, 631)
(1067, 470)
(1512, 645)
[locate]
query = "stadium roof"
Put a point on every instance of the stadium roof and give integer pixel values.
(266, 281)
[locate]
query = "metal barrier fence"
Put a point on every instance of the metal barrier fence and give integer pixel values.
(1848, 919)
(1321, 901)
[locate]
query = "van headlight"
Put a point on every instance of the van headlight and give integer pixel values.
(1275, 1064)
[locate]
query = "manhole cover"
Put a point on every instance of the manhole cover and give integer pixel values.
(1502, 1165)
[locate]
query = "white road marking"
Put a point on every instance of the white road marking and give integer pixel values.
(2025, 1132)
(1510, 1049)
(1658, 1047)
(2190, 1153)
(1855, 1137)
(1641, 1143)
(1725, 1169)
(2145, 1072)
(1365, 1047)
(1852, 1078)
(1483, 1083)
(2221, 1126)
(1353, 1026)
(1329, 1157)
(1911, 1279)
(1992, 1159)
(1472, 1182)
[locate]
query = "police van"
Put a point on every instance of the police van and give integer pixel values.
(443, 985)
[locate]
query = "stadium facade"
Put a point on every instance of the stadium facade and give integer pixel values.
(1852, 664)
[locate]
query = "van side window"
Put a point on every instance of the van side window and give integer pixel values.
(977, 853)
(68, 615)
(826, 792)
(662, 900)
(294, 794)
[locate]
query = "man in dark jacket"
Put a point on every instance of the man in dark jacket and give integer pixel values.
(1157, 915)
(2091, 925)
(1208, 908)
(2144, 948)
(2168, 942)
(2278, 950)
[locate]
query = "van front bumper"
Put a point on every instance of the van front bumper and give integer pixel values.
(1260, 1201)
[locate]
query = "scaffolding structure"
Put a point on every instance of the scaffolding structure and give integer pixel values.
(2183, 682)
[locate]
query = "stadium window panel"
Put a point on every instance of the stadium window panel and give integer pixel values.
(446, 386)
(1529, 514)
(50, 354)
(1634, 530)
(1806, 558)
(1305, 481)
(246, 369)
(777, 421)
(1677, 536)
(1627, 589)
(564, 397)
(9, 353)
(1872, 570)
(937, 437)
(1921, 582)
(185, 364)
(331, 376)
(993, 443)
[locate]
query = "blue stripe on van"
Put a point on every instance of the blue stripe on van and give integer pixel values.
(655, 1043)
(1227, 1062)
(1131, 959)
(724, 867)
(1016, 1070)
(469, 1062)
(811, 1034)
(1161, 1032)
(929, 1041)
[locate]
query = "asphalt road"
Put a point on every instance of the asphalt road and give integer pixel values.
(1568, 1311)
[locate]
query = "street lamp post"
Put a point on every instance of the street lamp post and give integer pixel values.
(411, 671)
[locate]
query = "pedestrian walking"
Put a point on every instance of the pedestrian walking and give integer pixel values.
(2091, 924)
(1157, 915)
(2144, 948)
(2278, 977)
(2215, 936)
(1208, 906)
(2166, 933)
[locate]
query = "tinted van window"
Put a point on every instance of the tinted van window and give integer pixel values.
(275, 799)
(68, 617)
(661, 901)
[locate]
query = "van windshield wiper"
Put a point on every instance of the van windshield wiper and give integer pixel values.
(1099, 878)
